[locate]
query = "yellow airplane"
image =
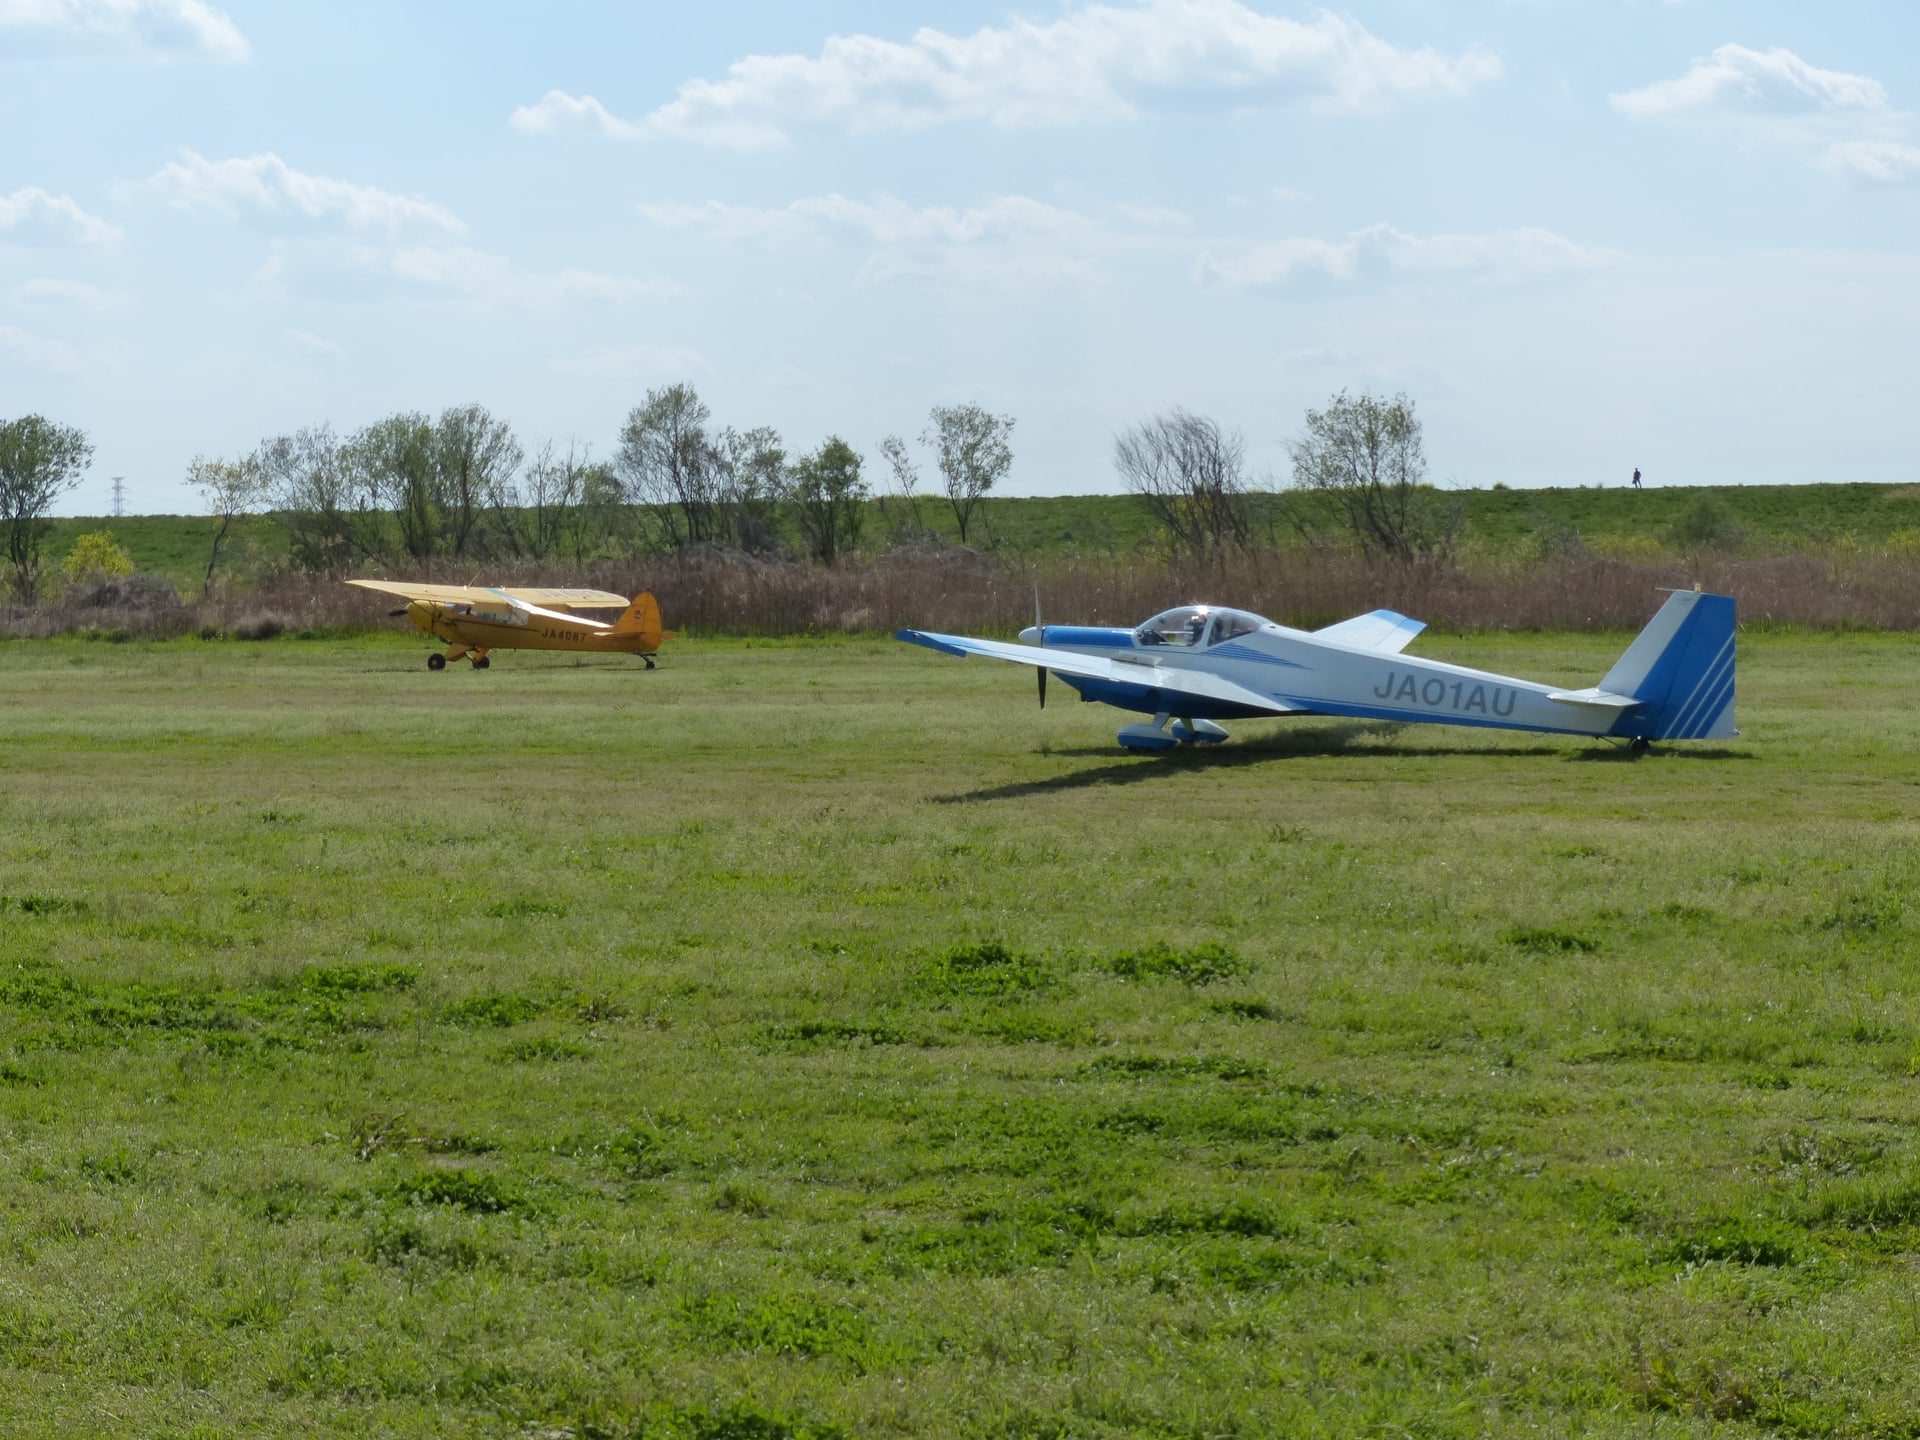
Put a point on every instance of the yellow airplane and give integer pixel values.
(475, 619)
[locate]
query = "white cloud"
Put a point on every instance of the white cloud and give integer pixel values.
(35, 352)
(475, 275)
(1887, 161)
(33, 216)
(1524, 251)
(887, 221)
(1841, 122)
(558, 113)
(121, 26)
(1098, 64)
(1005, 241)
(266, 184)
(1736, 79)
(314, 345)
(56, 294)
(634, 362)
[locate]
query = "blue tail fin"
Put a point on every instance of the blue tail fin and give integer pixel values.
(1680, 669)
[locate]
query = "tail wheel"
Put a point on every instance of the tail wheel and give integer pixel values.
(436, 661)
(649, 660)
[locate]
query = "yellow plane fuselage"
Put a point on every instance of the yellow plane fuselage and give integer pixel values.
(478, 630)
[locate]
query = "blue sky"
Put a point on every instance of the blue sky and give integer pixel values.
(1583, 235)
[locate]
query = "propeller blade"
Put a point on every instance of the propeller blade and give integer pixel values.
(396, 614)
(1042, 673)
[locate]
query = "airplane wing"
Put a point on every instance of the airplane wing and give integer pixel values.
(1066, 662)
(487, 595)
(435, 594)
(1381, 630)
(567, 598)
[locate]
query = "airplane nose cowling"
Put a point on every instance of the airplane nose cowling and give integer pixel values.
(1033, 635)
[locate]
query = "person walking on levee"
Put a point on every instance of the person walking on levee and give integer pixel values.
(1636, 477)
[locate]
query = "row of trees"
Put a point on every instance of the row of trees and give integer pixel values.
(461, 486)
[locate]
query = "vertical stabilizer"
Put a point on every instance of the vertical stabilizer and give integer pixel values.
(642, 618)
(1680, 669)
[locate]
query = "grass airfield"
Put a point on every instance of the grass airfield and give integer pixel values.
(813, 1039)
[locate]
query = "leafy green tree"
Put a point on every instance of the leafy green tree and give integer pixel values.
(669, 466)
(972, 452)
(828, 498)
(310, 487)
(1367, 455)
(392, 465)
(751, 466)
(39, 462)
(231, 488)
(475, 460)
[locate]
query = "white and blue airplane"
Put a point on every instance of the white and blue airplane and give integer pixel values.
(1201, 664)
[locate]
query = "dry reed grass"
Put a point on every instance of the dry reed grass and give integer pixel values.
(712, 592)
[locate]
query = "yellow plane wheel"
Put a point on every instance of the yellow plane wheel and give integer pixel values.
(649, 660)
(436, 661)
(482, 663)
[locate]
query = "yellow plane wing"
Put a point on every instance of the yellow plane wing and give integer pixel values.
(563, 597)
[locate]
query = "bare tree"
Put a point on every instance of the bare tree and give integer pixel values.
(39, 462)
(1191, 472)
(668, 465)
(972, 452)
(900, 501)
(1368, 456)
(231, 488)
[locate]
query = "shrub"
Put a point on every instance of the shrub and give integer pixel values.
(96, 555)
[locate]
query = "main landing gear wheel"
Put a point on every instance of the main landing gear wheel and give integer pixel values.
(483, 662)
(1640, 746)
(436, 661)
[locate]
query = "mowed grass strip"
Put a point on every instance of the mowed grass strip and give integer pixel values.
(818, 1040)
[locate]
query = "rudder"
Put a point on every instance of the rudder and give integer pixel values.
(642, 618)
(1681, 670)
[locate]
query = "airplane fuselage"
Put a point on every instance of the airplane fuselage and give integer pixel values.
(1311, 674)
(481, 630)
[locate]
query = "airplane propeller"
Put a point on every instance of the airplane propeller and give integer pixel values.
(396, 614)
(1040, 673)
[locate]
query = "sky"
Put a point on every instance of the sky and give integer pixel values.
(1583, 236)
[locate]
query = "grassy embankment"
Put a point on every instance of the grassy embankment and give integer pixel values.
(1110, 526)
(815, 1040)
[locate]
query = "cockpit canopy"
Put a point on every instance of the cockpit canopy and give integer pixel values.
(1197, 626)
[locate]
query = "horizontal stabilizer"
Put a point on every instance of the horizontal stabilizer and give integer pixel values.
(1381, 630)
(1599, 699)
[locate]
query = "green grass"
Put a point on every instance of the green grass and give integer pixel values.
(816, 1040)
(1113, 526)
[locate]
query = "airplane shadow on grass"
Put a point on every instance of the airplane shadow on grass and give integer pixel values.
(1346, 740)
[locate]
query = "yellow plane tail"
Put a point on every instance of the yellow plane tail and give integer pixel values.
(642, 619)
